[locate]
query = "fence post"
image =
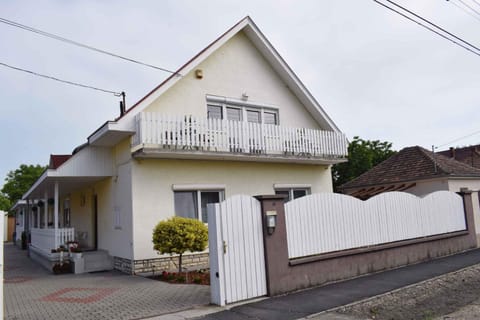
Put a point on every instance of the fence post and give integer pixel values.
(469, 207)
(275, 244)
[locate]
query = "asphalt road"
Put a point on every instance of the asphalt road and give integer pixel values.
(301, 304)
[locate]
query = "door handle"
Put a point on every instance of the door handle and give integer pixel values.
(224, 247)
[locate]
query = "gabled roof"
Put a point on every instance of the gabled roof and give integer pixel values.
(56, 160)
(266, 49)
(412, 164)
(469, 155)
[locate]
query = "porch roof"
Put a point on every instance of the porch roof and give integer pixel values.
(88, 165)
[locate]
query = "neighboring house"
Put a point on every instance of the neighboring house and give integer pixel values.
(235, 119)
(469, 155)
(417, 171)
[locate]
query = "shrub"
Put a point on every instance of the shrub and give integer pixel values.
(178, 235)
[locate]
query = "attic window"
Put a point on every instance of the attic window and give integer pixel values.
(240, 110)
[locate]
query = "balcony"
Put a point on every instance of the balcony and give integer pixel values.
(162, 136)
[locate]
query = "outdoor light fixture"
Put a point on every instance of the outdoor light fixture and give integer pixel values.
(271, 221)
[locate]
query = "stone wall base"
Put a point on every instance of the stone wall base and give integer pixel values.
(157, 265)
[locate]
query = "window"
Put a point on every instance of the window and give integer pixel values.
(193, 204)
(234, 114)
(253, 116)
(214, 112)
(239, 110)
(293, 193)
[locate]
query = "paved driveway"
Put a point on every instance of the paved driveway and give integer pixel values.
(30, 292)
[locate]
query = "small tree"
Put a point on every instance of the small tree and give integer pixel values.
(178, 235)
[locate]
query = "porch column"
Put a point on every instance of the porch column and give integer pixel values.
(45, 206)
(38, 216)
(55, 212)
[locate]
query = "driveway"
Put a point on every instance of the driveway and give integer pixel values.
(30, 292)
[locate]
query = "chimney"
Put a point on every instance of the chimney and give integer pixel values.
(122, 108)
(452, 152)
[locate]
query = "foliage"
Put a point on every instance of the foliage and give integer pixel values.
(5, 204)
(19, 181)
(178, 235)
(362, 156)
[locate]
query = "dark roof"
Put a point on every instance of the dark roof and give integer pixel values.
(56, 160)
(469, 155)
(411, 164)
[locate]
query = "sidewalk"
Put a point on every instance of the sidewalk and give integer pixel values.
(305, 303)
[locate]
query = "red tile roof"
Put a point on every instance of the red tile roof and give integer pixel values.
(56, 160)
(412, 164)
(468, 155)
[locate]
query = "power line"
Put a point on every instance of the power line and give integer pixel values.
(431, 29)
(117, 94)
(469, 7)
(458, 139)
(85, 46)
(464, 10)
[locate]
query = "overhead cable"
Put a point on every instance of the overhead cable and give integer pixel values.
(458, 139)
(433, 28)
(82, 45)
(61, 80)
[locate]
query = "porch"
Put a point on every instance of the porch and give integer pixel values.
(188, 136)
(50, 239)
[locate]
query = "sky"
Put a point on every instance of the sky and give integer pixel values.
(376, 74)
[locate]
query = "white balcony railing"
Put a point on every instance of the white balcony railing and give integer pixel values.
(48, 239)
(156, 130)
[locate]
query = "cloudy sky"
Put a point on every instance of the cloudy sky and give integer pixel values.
(376, 74)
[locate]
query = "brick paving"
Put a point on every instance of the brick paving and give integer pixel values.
(31, 292)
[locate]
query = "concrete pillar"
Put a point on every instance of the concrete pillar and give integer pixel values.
(55, 212)
(45, 211)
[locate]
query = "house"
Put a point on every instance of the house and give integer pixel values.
(235, 119)
(469, 155)
(417, 171)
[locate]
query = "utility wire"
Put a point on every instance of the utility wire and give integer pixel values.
(477, 52)
(117, 94)
(469, 7)
(478, 3)
(458, 139)
(464, 10)
(85, 46)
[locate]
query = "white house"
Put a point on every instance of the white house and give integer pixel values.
(235, 119)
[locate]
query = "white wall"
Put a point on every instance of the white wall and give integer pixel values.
(154, 198)
(114, 196)
(233, 69)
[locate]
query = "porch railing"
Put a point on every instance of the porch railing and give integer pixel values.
(48, 239)
(214, 135)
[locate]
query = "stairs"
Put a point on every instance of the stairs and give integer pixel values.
(98, 260)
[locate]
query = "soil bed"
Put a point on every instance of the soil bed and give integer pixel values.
(191, 277)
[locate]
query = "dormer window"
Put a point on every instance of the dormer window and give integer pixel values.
(239, 110)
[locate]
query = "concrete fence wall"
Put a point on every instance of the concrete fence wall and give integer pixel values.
(285, 274)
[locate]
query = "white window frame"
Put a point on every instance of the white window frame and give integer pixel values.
(244, 106)
(291, 188)
(199, 188)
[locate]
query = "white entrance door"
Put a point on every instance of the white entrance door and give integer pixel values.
(237, 261)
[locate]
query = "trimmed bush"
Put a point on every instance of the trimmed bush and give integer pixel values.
(178, 235)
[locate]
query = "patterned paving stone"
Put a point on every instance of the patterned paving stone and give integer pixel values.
(104, 295)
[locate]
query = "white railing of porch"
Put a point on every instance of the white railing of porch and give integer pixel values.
(48, 239)
(215, 135)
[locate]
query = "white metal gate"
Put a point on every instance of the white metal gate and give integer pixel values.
(237, 262)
